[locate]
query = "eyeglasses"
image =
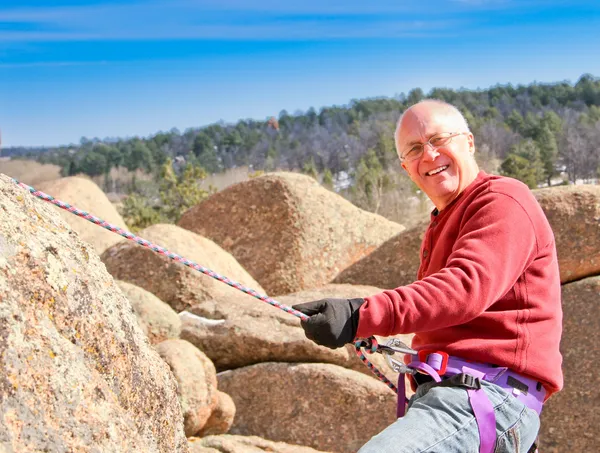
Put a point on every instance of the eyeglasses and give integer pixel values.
(435, 141)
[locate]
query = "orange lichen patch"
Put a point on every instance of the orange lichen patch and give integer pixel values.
(13, 379)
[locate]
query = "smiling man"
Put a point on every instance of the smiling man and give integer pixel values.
(485, 309)
(437, 150)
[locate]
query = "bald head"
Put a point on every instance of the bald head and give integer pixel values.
(430, 107)
(442, 169)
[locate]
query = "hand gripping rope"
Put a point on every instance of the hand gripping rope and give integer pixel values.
(369, 344)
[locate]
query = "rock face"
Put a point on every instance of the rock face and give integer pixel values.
(255, 332)
(574, 214)
(196, 379)
(570, 418)
(243, 444)
(221, 418)
(395, 263)
(86, 196)
(179, 286)
(324, 406)
(77, 372)
(158, 321)
(288, 231)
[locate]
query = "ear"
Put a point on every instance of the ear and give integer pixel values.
(471, 141)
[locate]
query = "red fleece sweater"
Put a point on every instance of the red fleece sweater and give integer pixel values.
(488, 288)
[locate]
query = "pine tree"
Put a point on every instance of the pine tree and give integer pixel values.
(179, 193)
(370, 181)
(548, 147)
(328, 179)
(309, 168)
(524, 163)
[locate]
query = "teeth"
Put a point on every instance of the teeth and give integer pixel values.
(437, 170)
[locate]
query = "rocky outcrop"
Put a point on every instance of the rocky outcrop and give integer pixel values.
(196, 379)
(287, 231)
(77, 372)
(221, 418)
(174, 283)
(158, 321)
(395, 263)
(574, 214)
(243, 444)
(570, 418)
(324, 406)
(85, 195)
(235, 334)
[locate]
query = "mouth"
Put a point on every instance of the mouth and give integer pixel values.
(437, 170)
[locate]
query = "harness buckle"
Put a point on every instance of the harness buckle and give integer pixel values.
(463, 380)
(439, 366)
(469, 381)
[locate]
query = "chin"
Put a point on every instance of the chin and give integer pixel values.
(445, 189)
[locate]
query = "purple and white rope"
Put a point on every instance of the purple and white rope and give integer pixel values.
(161, 250)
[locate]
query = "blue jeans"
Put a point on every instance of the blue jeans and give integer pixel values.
(440, 420)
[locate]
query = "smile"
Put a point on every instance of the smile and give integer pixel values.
(437, 170)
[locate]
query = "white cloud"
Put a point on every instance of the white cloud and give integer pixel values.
(188, 19)
(49, 64)
(268, 31)
(67, 14)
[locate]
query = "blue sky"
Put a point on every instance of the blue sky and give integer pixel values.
(122, 68)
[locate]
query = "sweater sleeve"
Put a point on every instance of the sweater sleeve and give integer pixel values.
(495, 245)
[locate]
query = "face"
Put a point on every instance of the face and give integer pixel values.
(442, 173)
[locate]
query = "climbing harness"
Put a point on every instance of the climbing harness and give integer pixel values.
(468, 375)
(370, 344)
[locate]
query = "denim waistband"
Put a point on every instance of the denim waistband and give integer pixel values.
(527, 390)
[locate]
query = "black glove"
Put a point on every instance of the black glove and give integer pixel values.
(332, 322)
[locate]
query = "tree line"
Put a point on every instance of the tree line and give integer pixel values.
(542, 134)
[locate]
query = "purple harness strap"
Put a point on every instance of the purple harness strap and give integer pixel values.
(402, 401)
(486, 419)
(530, 393)
(484, 413)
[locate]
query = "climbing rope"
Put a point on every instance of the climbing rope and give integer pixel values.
(370, 344)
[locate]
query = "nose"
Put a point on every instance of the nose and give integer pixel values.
(429, 152)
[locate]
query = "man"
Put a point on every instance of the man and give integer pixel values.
(485, 309)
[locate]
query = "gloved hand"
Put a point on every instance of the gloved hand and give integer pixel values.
(332, 322)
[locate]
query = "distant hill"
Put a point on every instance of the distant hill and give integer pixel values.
(337, 137)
